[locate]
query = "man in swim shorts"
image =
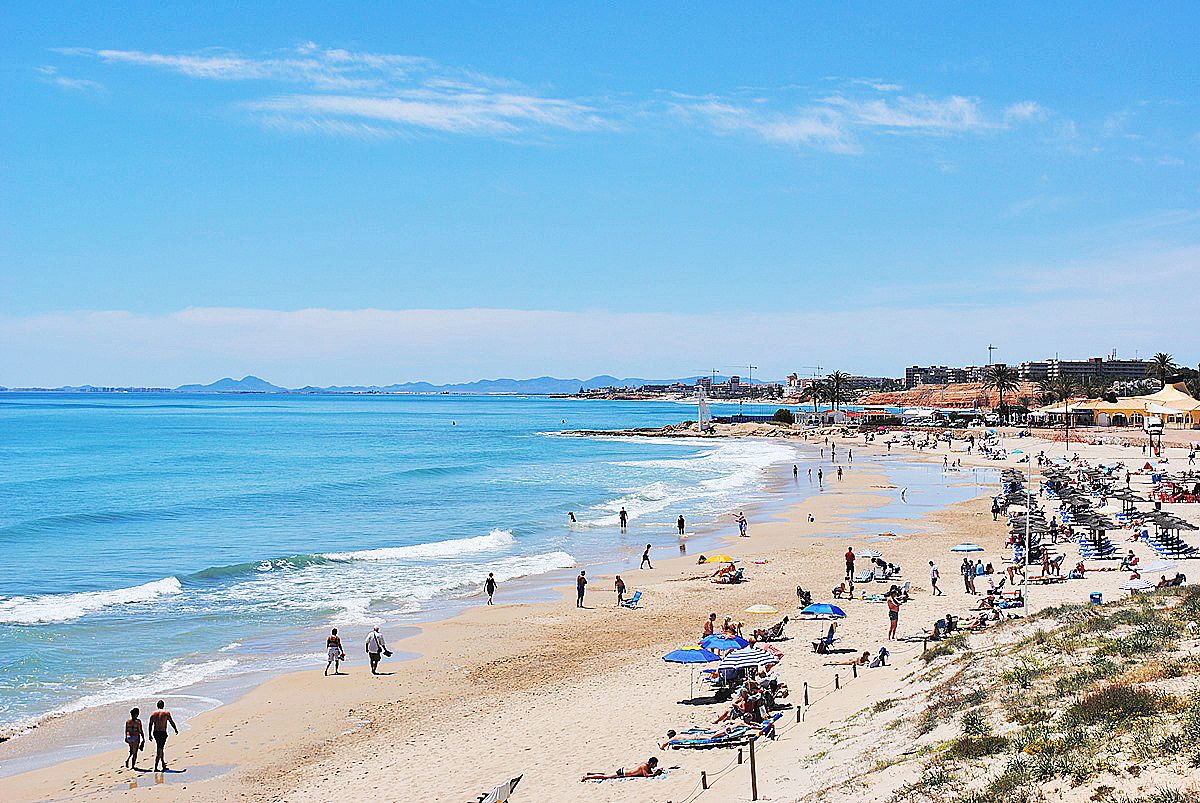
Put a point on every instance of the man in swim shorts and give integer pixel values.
(333, 652)
(159, 721)
(647, 769)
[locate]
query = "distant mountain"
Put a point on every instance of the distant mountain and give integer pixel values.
(247, 384)
(538, 386)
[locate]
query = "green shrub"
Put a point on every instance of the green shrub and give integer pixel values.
(784, 416)
(975, 723)
(1117, 702)
(970, 747)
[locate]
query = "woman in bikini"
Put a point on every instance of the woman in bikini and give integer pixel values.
(134, 737)
(333, 647)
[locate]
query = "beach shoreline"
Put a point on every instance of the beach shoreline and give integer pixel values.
(547, 690)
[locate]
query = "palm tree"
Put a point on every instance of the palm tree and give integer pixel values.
(839, 387)
(1161, 366)
(1002, 378)
(814, 393)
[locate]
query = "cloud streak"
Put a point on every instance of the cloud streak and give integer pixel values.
(341, 92)
(839, 123)
(348, 93)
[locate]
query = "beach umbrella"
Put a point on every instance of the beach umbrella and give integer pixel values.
(1136, 585)
(762, 609)
(690, 654)
(870, 553)
(966, 547)
(718, 641)
(745, 658)
(718, 559)
(822, 609)
(1158, 566)
(1017, 451)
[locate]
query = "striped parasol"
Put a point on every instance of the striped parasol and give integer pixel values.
(745, 658)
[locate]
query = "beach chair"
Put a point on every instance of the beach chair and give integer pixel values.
(633, 601)
(865, 576)
(501, 793)
(775, 632)
(823, 644)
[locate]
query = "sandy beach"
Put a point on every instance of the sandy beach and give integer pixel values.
(549, 691)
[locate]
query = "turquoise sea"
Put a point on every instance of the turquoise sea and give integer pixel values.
(155, 542)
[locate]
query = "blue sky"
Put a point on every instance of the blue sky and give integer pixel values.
(343, 193)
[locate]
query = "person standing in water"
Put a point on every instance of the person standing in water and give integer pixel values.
(623, 517)
(795, 471)
(159, 721)
(334, 653)
(135, 738)
(646, 559)
(679, 523)
(489, 587)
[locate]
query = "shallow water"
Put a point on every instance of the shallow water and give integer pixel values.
(155, 542)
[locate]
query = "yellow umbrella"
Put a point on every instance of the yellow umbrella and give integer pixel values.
(718, 559)
(762, 609)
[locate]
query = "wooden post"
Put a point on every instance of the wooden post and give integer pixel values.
(753, 774)
(837, 681)
(924, 644)
(799, 713)
(739, 755)
(703, 779)
(854, 669)
(806, 694)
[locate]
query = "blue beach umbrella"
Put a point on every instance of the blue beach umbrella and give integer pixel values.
(823, 609)
(718, 641)
(968, 547)
(691, 655)
(1017, 451)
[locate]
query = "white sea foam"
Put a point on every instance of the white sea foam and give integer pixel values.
(495, 541)
(67, 607)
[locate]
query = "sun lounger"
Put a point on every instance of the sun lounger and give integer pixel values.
(633, 601)
(703, 739)
(865, 576)
(775, 631)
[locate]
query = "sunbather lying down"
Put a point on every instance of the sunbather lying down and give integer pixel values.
(861, 660)
(647, 769)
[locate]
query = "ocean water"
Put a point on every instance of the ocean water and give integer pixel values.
(152, 542)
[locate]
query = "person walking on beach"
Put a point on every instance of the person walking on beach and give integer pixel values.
(795, 471)
(580, 585)
(646, 559)
(839, 473)
(850, 563)
(489, 587)
(159, 721)
(934, 576)
(810, 474)
(820, 478)
(376, 649)
(995, 508)
(967, 571)
(893, 615)
(623, 517)
(679, 523)
(620, 586)
(333, 650)
(742, 524)
(135, 737)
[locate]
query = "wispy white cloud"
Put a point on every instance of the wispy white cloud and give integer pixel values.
(839, 123)
(1024, 111)
(51, 75)
(350, 93)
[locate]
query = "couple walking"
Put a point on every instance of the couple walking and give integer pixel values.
(135, 737)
